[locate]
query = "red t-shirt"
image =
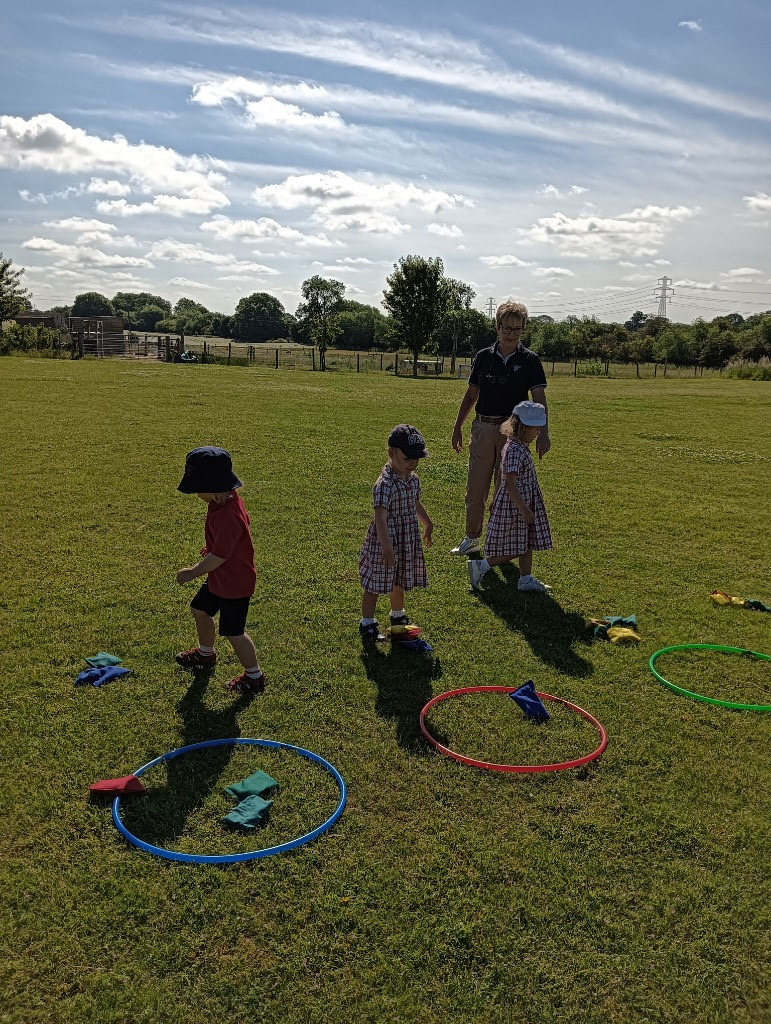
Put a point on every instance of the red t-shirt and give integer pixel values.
(228, 536)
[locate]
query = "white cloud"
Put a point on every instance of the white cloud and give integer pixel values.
(227, 229)
(434, 57)
(269, 112)
(83, 255)
(760, 201)
(692, 26)
(662, 263)
(550, 191)
(100, 186)
(445, 230)
(577, 190)
(637, 277)
(552, 273)
(594, 65)
(742, 272)
(495, 262)
(184, 282)
(341, 202)
(46, 143)
(79, 224)
(186, 252)
(705, 286)
(637, 233)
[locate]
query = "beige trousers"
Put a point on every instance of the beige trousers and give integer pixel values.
(484, 466)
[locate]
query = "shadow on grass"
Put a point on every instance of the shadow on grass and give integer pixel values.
(551, 632)
(403, 679)
(161, 816)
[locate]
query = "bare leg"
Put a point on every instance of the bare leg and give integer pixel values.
(396, 598)
(368, 605)
(494, 560)
(245, 651)
(526, 563)
(204, 625)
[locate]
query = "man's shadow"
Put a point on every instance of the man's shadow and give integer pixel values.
(161, 816)
(403, 679)
(551, 632)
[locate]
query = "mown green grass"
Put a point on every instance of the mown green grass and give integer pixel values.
(635, 889)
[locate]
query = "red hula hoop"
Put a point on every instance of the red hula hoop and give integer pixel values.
(523, 768)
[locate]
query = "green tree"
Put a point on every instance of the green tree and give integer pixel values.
(14, 297)
(323, 300)
(362, 326)
(129, 305)
(636, 321)
(416, 298)
(259, 317)
(191, 317)
(92, 304)
(458, 297)
(146, 318)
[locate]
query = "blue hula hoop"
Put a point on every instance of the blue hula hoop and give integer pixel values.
(232, 858)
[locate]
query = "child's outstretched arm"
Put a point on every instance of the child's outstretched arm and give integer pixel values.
(381, 526)
(207, 564)
(515, 495)
(428, 525)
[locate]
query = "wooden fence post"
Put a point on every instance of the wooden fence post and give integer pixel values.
(358, 363)
(381, 360)
(313, 356)
(276, 358)
(638, 368)
(396, 365)
(665, 367)
(655, 368)
(575, 368)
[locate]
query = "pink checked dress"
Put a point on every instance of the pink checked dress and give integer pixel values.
(399, 497)
(507, 531)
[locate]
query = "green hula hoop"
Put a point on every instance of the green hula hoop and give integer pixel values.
(698, 696)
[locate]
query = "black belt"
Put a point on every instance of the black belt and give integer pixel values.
(492, 419)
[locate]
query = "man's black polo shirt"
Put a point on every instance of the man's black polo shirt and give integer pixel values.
(502, 385)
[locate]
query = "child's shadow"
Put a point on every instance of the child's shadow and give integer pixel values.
(403, 680)
(162, 814)
(551, 632)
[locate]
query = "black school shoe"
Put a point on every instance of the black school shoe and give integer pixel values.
(400, 620)
(371, 632)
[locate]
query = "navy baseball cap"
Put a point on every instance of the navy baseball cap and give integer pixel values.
(408, 440)
(208, 470)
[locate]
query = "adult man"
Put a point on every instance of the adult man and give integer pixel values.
(501, 377)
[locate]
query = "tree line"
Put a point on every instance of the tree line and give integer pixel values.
(426, 313)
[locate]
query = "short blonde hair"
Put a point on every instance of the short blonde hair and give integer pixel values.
(507, 309)
(221, 497)
(513, 427)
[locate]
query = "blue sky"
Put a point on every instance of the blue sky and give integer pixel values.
(566, 155)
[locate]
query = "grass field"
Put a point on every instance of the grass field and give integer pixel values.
(635, 889)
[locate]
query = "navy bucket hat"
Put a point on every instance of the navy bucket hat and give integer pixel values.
(208, 470)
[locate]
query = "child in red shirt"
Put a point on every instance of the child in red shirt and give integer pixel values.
(228, 561)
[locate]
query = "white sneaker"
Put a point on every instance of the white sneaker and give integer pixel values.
(468, 546)
(475, 573)
(534, 584)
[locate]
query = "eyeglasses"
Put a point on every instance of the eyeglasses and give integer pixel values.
(505, 329)
(490, 378)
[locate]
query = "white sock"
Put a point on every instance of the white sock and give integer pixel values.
(366, 622)
(205, 650)
(253, 672)
(395, 614)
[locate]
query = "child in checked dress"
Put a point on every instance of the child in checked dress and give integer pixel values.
(392, 556)
(518, 522)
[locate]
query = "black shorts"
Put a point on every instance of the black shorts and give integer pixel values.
(233, 610)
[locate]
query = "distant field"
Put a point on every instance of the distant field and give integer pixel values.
(633, 890)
